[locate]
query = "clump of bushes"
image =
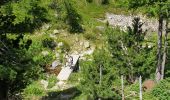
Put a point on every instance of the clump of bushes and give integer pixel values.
(32, 90)
(49, 43)
(52, 80)
(162, 90)
(90, 1)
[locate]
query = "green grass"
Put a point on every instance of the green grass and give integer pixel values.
(52, 80)
(33, 90)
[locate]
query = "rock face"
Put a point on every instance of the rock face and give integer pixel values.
(123, 21)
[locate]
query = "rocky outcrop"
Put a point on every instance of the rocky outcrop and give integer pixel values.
(124, 21)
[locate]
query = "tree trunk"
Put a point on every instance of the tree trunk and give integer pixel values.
(159, 52)
(165, 50)
(3, 90)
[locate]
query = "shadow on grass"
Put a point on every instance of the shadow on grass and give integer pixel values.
(67, 94)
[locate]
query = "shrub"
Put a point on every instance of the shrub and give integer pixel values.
(34, 89)
(105, 1)
(90, 1)
(162, 90)
(49, 43)
(52, 81)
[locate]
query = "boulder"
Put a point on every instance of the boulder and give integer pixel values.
(57, 55)
(81, 43)
(45, 53)
(60, 44)
(52, 35)
(55, 64)
(86, 44)
(44, 83)
(56, 32)
(46, 26)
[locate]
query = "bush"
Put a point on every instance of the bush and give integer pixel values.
(49, 43)
(34, 89)
(162, 90)
(52, 81)
(90, 1)
(105, 1)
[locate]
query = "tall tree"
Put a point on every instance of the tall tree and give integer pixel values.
(73, 18)
(167, 19)
(155, 8)
(17, 64)
(128, 52)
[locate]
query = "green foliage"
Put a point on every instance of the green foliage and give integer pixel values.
(91, 84)
(52, 80)
(34, 89)
(74, 78)
(73, 18)
(90, 1)
(49, 43)
(7, 73)
(152, 7)
(128, 52)
(161, 91)
(90, 36)
(28, 9)
(105, 1)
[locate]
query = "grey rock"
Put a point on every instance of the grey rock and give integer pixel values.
(60, 44)
(55, 64)
(46, 26)
(81, 43)
(86, 44)
(45, 53)
(123, 21)
(57, 55)
(56, 32)
(52, 35)
(100, 28)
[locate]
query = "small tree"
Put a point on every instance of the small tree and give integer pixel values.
(97, 84)
(73, 18)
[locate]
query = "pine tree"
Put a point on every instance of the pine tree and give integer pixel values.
(98, 77)
(155, 8)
